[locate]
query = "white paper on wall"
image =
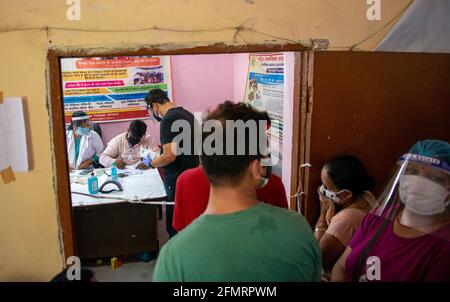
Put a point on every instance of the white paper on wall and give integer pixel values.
(13, 139)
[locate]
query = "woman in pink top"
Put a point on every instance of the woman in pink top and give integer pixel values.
(344, 200)
(407, 236)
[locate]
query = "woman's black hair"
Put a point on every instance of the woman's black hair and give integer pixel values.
(77, 123)
(348, 173)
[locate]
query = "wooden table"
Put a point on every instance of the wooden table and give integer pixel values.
(112, 227)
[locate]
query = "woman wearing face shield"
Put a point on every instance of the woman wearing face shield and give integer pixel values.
(83, 145)
(344, 200)
(407, 236)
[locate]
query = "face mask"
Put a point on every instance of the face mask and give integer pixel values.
(133, 141)
(82, 131)
(158, 117)
(332, 195)
(422, 196)
(265, 179)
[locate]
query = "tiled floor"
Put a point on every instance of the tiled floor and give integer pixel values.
(128, 272)
(132, 271)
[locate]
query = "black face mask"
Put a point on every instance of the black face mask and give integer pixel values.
(268, 172)
(157, 118)
(133, 141)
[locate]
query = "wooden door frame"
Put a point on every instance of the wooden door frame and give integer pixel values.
(301, 135)
(56, 111)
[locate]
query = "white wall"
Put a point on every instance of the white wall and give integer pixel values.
(288, 117)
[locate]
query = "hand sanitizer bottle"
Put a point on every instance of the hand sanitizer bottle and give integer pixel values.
(93, 184)
(114, 171)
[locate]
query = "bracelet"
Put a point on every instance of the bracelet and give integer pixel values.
(320, 229)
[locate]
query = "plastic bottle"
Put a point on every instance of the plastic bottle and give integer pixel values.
(93, 184)
(114, 171)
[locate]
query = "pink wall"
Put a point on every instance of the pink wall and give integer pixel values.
(199, 83)
(240, 70)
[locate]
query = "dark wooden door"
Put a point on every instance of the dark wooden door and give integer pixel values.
(374, 106)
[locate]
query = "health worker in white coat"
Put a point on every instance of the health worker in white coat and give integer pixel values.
(83, 145)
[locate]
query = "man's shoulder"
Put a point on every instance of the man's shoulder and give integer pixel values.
(187, 237)
(194, 173)
(273, 210)
(95, 135)
(117, 140)
(178, 113)
(285, 216)
(121, 136)
(275, 182)
(275, 178)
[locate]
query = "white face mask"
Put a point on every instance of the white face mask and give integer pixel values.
(332, 195)
(265, 179)
(264, 182)
(423, 196)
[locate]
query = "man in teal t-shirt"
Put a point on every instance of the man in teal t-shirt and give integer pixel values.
(239, 238)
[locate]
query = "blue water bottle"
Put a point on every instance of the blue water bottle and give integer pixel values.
(93, 184)
(114, 171)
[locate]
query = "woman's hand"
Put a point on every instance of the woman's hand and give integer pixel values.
(120, 164)
(325, 204)
(322, 223)
(330, 212)
(142, 166)
(86, 164)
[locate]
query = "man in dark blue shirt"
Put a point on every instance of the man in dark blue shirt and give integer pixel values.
(175, 157)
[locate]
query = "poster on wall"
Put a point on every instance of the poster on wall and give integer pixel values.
(112, 89)
(265, 86)
(265, 91)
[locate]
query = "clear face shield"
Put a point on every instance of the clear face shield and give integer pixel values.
(418, 188)
(81, 124)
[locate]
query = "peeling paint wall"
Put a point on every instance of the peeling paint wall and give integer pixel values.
(29, 242)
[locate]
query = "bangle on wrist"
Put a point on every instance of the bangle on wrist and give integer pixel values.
(320, 229)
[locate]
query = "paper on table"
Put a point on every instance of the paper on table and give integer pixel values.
(13, 147)
(129, 170)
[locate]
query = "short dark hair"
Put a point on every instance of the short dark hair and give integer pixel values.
(229, 169)
(348, 173)
(85, 273)
(137, 128)
(157, 96)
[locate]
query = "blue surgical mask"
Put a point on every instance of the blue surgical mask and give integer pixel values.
(82, 131)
